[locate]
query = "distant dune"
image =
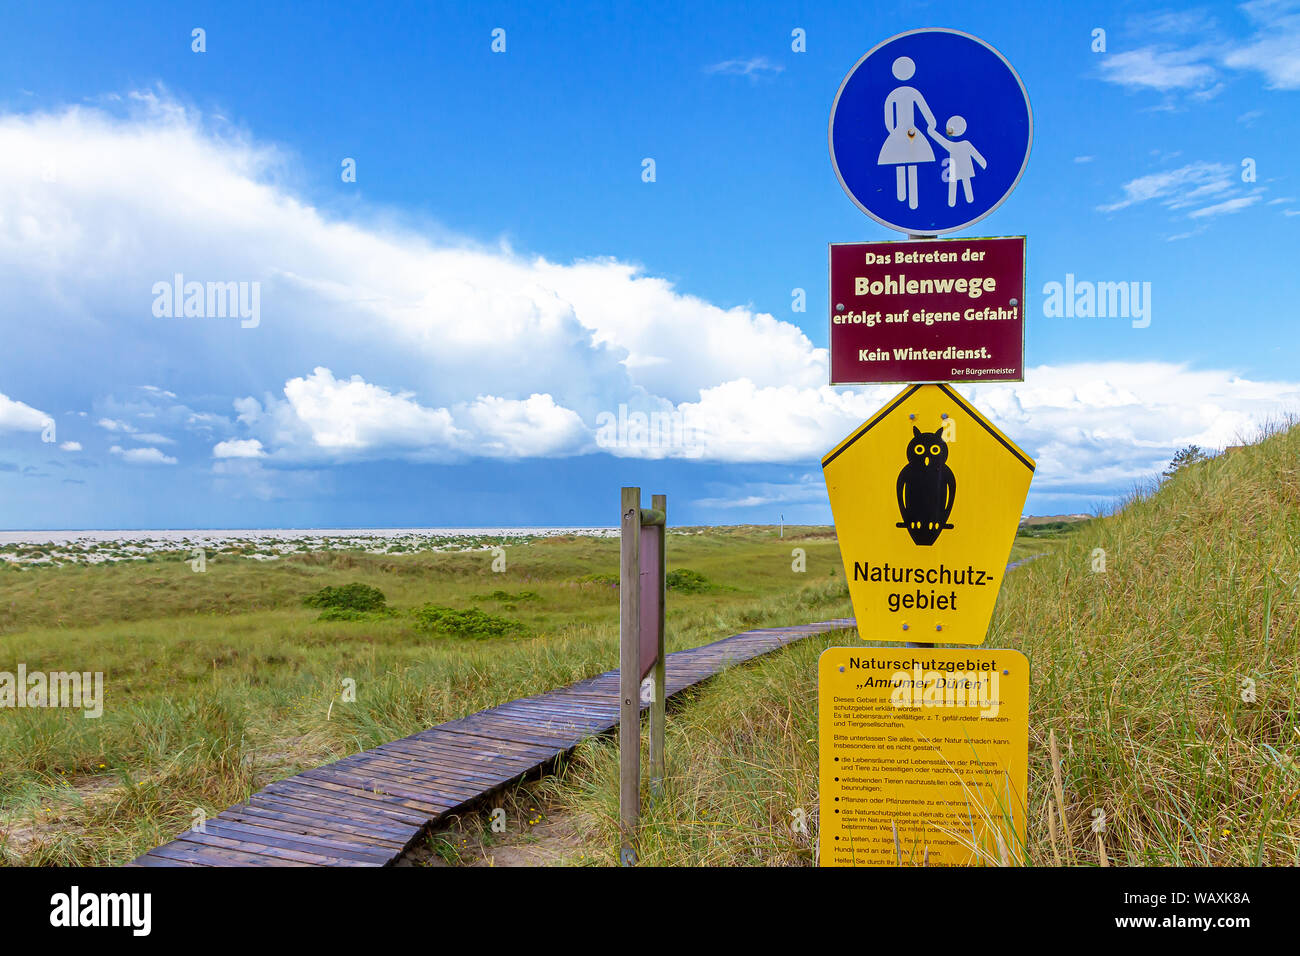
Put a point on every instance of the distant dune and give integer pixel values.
(1051, 519)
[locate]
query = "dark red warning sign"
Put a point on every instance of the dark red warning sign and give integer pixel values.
(928, 310)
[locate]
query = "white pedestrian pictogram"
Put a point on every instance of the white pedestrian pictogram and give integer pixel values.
(959, 167)
(906, 146)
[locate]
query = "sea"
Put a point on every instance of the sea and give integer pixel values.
(217, 535)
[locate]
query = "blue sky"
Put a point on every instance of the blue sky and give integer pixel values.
(438, 342)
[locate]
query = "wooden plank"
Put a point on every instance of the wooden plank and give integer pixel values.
(375, 788)
(149, 859)
(545, 729)
(502, 733)
(464, 763)
(215, 841)
(472, 752)
(367, 803)
(311, 825)
(412, 777)
(359, 817)
(466, 766)
(557, 710)
(443, 770)
(427, 768)
(216, 856)
(462, 738)
(533, 730)
(249, 832)
(332, 813)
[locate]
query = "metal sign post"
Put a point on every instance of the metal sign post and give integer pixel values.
(897, 489)
(642, 581)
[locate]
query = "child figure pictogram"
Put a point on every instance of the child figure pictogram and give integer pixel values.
(962, 157)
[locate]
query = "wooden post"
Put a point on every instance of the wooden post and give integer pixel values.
(911, 236)
(629, 684)
(659, 702)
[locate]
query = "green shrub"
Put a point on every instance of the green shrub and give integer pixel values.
(471, 623)
(688, 581)
(350, 597)
(501, 596)
(351, 614)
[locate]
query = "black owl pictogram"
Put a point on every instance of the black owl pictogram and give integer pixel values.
(926, 487)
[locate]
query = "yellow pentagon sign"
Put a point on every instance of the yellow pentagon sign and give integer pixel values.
(926, 496)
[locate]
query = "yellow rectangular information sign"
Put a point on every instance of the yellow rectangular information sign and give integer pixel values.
(923, 756)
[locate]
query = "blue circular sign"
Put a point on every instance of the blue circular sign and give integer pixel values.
(930, 131)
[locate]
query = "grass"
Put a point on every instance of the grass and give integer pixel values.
(219, 682)
(1165, 696)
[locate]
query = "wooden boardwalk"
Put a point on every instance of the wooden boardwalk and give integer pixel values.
(366, 809)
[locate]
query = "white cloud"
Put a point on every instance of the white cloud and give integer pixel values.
(323, 417)
(674, 342)
(71, 446)
(536, 426)
(1274, 49)
(1229, 205)
(1153, 68)
(238, 448)
(444, 319)
(1172, 22)
(1176, 188)
(16, 416)
(354, 415)
(1094, 424)
(809, 489)
(142, 456)
(1271, 49)
(754, 67)
(1188, 186)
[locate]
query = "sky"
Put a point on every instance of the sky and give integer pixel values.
(457, 270)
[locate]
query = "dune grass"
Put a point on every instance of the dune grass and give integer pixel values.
(218, 682)
(1164, 710)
